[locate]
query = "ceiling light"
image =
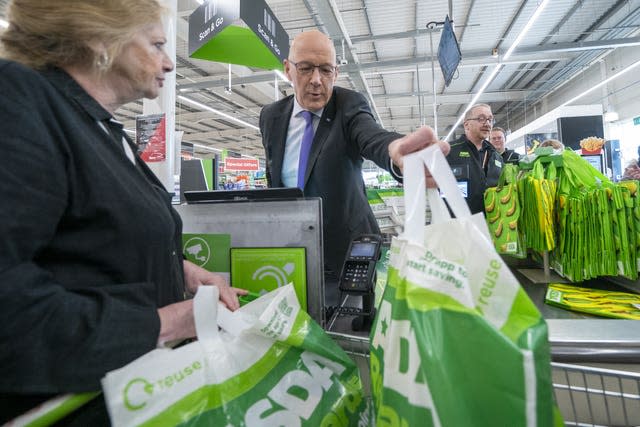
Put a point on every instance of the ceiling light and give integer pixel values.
(213, 110)
(206, 147)
(4, 23)
(602, 83)
(515, 43)
(526, 28)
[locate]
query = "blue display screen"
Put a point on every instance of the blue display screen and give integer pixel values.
(449, 55)
(595, 160)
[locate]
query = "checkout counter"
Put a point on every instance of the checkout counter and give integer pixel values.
(577, 337)
(574, 337)
(593, 351)
(584, 344)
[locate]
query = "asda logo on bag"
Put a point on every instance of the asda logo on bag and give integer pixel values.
(401, 370)
(296, 395)
(139, 391)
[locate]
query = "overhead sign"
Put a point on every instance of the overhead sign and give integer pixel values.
(636, 121)
(243, 32)
(234, 164)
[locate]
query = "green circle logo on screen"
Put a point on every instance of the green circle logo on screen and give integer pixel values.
(270, 272)
(197, 250)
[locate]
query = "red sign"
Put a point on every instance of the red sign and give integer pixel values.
(150, 137)
(235, 164)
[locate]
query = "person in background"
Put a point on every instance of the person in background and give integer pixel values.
(632, 171)
(341, 132)
(553, 143)
(91, 268)
(498, 140)
(474, 161)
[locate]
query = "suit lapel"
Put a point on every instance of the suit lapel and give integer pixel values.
(278, 140)
(322, 132)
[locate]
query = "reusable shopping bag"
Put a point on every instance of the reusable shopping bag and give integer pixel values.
(502, 206)
(53, 410)
(270, 364)
(455, 341)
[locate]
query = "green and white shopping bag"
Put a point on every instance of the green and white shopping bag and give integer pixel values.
(270, 364)
(456, 341)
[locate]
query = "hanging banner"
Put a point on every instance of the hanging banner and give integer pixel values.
(243, 32)
(151, 138)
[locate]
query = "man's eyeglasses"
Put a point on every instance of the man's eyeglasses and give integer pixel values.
(305, 68)
(482, 120)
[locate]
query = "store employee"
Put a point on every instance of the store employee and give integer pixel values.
(474, 161)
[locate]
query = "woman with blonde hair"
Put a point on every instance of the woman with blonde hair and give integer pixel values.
(91, 268)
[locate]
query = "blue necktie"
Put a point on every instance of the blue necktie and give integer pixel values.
(305, 147)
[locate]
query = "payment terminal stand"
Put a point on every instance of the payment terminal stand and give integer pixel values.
(358, 278)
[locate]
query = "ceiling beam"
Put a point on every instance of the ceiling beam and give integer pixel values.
(472, 58)
(220, 134)
(460, 97)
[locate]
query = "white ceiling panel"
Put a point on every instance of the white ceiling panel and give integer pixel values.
(389, 55)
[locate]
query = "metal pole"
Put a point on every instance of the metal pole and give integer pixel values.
(275, 88)
(419, 95)
(168, 170)
(545, 266)
(431, 26)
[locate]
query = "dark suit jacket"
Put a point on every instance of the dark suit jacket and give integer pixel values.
(346, 134)
(90, 246)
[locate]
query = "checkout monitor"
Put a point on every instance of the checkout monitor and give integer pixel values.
(213, 196)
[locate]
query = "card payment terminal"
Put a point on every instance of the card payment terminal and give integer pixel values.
(358, 271)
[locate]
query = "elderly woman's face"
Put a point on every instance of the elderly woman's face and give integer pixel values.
(139, 71)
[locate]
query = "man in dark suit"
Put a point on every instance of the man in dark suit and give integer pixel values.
(344, 133)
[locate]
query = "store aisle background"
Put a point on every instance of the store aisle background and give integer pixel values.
(386, 54)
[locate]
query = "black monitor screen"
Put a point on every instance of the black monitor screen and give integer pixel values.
(284, 193)
(363, 250)
(449, 55)
(594, 160)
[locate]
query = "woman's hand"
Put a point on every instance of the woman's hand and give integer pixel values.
(176, 323)
(176, 320)
(195, 276)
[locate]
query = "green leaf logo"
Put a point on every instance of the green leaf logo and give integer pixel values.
(136, 393)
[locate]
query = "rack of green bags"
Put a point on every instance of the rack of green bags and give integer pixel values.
(589, 225)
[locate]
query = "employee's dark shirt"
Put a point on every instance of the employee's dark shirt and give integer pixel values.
(89, 246)
(475, 169)
(510, 156)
